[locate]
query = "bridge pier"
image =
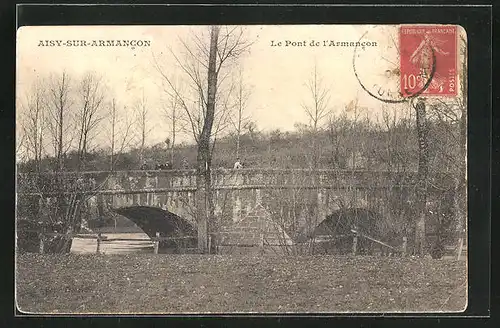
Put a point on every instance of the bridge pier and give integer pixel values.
(321, 206)
(190, 200)
(218, 208)
(258, 198)
(100, 205)
(236, 207)
(170, 200)
(217, 204)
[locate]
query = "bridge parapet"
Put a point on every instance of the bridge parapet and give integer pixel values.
(175, 179)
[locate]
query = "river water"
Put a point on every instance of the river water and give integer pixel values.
(88, 246)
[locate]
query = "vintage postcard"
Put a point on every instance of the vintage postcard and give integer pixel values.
(241, 169)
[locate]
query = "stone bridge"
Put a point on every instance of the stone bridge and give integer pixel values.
(294, 198)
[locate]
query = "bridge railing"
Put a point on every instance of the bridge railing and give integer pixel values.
(139, 180)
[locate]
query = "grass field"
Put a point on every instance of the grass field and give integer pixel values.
(148, 283)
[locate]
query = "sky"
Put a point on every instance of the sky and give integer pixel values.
(276, 75)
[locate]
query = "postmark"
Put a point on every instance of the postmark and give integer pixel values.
(421, 48)
(379, 71)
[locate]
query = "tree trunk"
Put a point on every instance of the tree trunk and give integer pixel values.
(81, 164)
(172, 146)
(238, 144)
(422, 174)
(39, 153)
(460, 180)
(113, 123)
(66, 212)
(60, 141)
(143, 139)
(203, 181)
(240, 109)
(460, 188)
(172, 153)
(143, 117)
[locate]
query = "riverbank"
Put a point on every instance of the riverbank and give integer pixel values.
(148, 283)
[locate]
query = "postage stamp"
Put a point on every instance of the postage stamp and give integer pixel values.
(428, 51)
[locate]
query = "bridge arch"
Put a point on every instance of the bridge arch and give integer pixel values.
(342, 224)
(155, 219)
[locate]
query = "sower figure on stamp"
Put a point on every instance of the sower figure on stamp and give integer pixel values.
(423, 57)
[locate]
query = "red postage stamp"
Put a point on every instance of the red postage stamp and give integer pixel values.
(428, 60)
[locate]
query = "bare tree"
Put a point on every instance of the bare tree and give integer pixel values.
(449, 113)
(59, 111)
(348, 133)
(317, 110)
(205, 213)
(422, 175)
(241, 120)
(206, 67)
(174, 114)
(62, 207)
(142, 112)
(358, 128)
(451, 117)
(120, 134)
(21, 149)
(320, 96)
(252, 130)
(71, 112)
(89, 114)
(460, 181)
(396, 151)
(337, 128)
(113, 126)
(191, 88)
(33, 120)
(395, 130)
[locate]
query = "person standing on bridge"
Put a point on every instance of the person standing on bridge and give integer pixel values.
(237, 164)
